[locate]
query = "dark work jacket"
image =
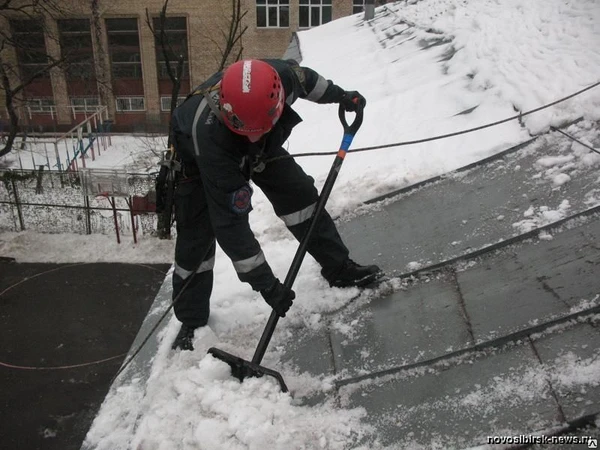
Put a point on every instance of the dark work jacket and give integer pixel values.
(224, 160)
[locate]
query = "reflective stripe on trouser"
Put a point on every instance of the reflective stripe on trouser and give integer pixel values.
(249, 264)
(294, 196)
(206, 265)
(298, 217)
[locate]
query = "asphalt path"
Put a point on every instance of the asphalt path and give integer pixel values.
(65, 330)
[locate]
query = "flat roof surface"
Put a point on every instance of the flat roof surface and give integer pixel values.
(488, 322)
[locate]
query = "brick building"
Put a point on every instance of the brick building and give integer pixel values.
(116, 60)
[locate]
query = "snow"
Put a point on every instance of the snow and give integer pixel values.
(83, 248)
(508, 56)
(119, 152)
(538, 217)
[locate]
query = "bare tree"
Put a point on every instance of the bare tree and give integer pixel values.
(104, 88)
(229, 42)
(12, 80)
(233, 36)
(174, 64)
(162, 39)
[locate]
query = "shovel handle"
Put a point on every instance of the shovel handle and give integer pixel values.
(349, 132)
(355, 125)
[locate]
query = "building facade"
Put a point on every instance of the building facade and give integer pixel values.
(115, 60)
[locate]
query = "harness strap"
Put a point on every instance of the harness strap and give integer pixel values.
(199, 110)
(210, 99)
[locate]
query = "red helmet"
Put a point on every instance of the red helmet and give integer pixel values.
(251, 98)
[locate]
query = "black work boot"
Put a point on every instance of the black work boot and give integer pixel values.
(184, 338)
(352, 274)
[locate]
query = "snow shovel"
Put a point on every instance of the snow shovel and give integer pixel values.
(240, 368)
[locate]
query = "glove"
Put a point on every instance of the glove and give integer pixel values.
(352, 100)
(278, 297)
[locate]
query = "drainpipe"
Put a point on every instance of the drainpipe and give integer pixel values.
(369, 9)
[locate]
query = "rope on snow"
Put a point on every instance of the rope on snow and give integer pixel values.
(448, 135)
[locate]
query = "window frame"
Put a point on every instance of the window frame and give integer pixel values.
(172, 32)
(165, 102)
(78, 43)
(40, 105)
(311, 5)
(358, 4)
(131, 68)
(129, 99)
(264, 6)
(32, 52)
(93, 107)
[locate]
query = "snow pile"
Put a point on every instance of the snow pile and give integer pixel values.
(227, 414)
(574, 371)
(191, 398)
(574, 158)
(537, 217)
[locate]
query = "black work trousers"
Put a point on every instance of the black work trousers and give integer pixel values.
(293, 196)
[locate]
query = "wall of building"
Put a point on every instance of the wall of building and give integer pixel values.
(205, 21)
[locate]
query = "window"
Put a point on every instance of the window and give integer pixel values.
(85, 104)
(76, 46)
(124, 48)
(314, 13)
(176, 45)
(165, 103)
(131, 104)
(358, 6)
(30, 47)
(272, 13)
(40, 105)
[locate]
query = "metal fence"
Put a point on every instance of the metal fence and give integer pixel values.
(59, 202)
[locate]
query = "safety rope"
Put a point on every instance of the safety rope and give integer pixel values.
(72, 366)
(442, 136)
(65, 367)
(160, 319)
(575, 139)
(588, 315)
(163, 316)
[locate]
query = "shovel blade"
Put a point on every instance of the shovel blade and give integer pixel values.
(241, 369)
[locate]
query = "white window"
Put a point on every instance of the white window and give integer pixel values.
(131, 104)
(85, 104)
(165, 103)
(314, 13)
(40, 105)
(358, 6)
(272, 13)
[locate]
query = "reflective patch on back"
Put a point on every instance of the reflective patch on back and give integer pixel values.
(240, 200)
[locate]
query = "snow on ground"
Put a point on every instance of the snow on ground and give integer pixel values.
(499, 57)
(25, 247)
(134, 154)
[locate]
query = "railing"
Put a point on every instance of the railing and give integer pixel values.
(52, 110)
(63, 202)
(71, 146)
